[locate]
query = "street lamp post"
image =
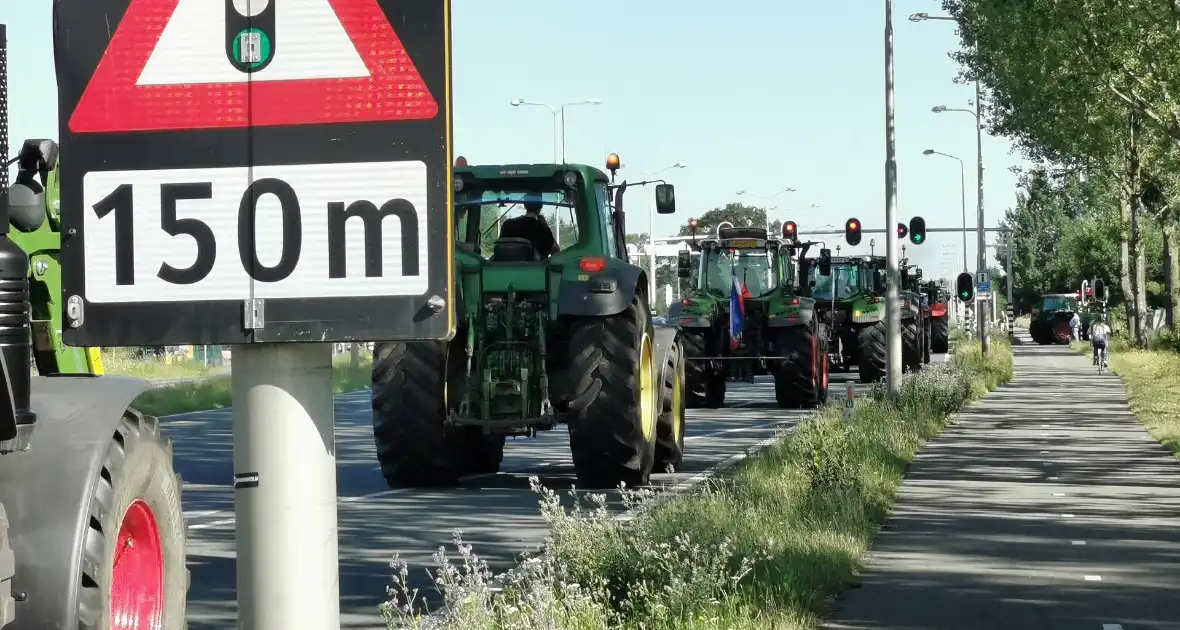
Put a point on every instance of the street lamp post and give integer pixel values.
(556, 111)
(651, 236)
(980, 241)
(962, 195)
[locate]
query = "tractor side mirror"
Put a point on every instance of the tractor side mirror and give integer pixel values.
(38, 155)
(665, 199)
(684, 264)
(825, 262)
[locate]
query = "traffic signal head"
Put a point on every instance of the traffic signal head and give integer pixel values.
(852, 231)
(902, 230)
(825, 262)
(1099, 290)
(966, 290)
(917, 230)
(790, 231)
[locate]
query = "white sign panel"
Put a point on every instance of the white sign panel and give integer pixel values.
(303, 231)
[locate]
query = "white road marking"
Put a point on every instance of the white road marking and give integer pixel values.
(1093, 578)
(1058, 494)
(1044, 452)
(1067, 516)
(1112, 626)
(1079, 542)
(393, 491)
(1054, 478)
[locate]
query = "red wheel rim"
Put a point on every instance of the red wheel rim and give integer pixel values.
(137, 579)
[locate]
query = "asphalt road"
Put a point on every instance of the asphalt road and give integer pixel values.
(497, 513)
(1046, 506)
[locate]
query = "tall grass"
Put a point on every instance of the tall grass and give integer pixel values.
(765, 546)
(216, 392)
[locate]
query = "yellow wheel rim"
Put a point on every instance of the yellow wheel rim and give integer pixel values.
(647, 390)
(677, 408)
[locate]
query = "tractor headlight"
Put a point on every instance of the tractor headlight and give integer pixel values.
(571, 179)
(458, 184)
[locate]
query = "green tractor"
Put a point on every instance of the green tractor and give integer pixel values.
(1050, 322)
(938, 298)
(89, 499)
(744, 285)
(849, 293)
(543, 338)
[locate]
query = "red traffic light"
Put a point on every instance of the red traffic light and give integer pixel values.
(852, 232)
(693, 223)
(790, 229)
(902, 230)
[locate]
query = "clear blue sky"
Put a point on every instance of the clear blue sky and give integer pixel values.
(751, 94)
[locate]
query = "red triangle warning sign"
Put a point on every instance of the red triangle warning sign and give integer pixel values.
(187, 64)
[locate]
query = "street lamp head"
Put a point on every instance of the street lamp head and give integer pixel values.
(918, 17)
(680, 165)
(594, 101)
(928, 152)
(740, 192)
(516, 102)
(938, 109)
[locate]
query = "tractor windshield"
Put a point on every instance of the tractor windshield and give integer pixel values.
(480, 214)
(844, 282)
(752, 267)
(1059, 303)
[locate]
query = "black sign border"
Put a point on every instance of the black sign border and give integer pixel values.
(81, 38)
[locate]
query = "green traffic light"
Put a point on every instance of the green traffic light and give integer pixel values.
(965, 294)
(917, 238)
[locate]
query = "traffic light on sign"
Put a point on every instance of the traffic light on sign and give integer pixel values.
(965, 286)
(790, 231)
(902, 230)
(917, 230)
(852, 231)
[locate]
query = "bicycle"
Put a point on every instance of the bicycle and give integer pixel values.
(1101, 361)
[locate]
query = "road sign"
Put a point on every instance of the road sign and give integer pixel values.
(192, 64)
(983, 288)
(981, 278)
(280, 174)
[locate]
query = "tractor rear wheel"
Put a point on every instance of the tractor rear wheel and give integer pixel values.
(871, 356)
(798, 381)
(940, 335)
(613, 405)
(670, 424)
(134, 551)
(696, 371)
(409, 412)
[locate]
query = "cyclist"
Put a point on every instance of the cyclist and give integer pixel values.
(1099, 335)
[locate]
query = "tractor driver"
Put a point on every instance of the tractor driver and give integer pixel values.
(532, 226)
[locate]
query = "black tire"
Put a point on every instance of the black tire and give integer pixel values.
(926, 341)
(484, 454)
(670, 424)
(715, 390)
(695, 343)
(137, 471)
(798, 381)
(871, 356)
(940, 335)
(409, 409)
(911, 344)
(607, 422)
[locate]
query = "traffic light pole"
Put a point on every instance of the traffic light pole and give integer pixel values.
(893, 367)
(979, 182)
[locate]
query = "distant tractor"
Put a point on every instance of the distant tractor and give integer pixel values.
(1050, 322)
(544, 338)
(745, 270)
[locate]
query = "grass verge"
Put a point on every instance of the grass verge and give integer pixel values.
(1152, 379)
(765, 546)
(215, 392)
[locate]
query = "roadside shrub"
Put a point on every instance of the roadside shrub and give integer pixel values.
(763, 547)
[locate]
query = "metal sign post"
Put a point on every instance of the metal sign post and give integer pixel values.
(272, 176)
(849, 404)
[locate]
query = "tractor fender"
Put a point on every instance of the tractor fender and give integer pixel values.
(802, 318)
(608, 292)
(47, 490)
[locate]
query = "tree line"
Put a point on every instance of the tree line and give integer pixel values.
(1089, 90)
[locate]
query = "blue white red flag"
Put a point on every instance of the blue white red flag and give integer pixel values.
(737, 313)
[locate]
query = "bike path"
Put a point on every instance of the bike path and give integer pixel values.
(1046, 505)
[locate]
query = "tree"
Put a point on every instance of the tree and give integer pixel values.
(739, 214)
(1085, 84)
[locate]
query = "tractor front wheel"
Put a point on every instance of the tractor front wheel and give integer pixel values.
(613, 405)
(911, 344)
(940, 335)
(670, 424)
